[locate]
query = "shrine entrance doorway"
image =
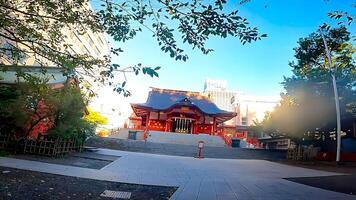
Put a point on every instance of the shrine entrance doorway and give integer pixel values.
(182, 125)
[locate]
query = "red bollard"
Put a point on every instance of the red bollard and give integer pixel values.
(200, 147)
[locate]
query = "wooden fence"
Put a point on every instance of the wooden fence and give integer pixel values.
(295, 153)
(5, 140)
(299, 153)
(52, 147)
(45, 146)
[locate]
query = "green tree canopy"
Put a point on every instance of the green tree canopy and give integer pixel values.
(33, 27)
(308, 103)
(34, 106)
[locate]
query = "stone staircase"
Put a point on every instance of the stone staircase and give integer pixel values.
(180, 138)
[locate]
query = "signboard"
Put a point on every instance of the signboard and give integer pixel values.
(184, 109)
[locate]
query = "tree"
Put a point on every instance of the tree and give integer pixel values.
(69, 121)
(12, 116)
(27, 107)
(34, 108)
(32, 27)
(308, 103)
(95, 118)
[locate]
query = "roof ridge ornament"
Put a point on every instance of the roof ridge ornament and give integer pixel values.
(186, 100)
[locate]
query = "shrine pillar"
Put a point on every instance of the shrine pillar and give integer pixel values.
(148, 120)
(169, 123)
(196, 123)
(214, 125)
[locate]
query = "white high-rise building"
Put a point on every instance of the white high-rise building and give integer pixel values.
(253, 108)
(94, 44)
(78, 42)
(216, 90)
(215, 85)
(249, 108)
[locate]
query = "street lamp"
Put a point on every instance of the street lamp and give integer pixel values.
(336, 95)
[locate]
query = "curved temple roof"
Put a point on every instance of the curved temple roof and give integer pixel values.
(164, 100)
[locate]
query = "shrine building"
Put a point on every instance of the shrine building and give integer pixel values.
(179, 111)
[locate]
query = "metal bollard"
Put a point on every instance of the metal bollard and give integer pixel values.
(200, 147)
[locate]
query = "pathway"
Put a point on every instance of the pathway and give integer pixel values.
(185, 150)
(197, 178)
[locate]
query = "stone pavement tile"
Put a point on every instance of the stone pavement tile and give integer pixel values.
(246, 179)
(259, 191)
(240, 191)
(292, 190)
(207, 190)
(222, 188)
(94, 156)
(226, 197)
(135, 177)
(335, 195)
(182, 180)
(282, 189)
(176, 194)
(190, 190)
(178, 191)
(252, 187)
(269, 188)
(181, 174)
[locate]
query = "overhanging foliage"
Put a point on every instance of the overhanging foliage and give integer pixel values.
(40, 28)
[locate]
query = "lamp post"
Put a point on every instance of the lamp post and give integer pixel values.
(336, 95)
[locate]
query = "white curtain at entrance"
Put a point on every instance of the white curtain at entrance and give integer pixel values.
(182, 125)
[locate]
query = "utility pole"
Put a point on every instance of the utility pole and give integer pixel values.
(336, 95)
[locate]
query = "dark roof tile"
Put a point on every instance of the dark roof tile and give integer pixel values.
(163, 99)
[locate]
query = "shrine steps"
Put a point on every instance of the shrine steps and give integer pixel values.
(181, 138)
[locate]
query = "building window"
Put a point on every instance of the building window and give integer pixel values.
(14, 54)
(84, 49)
(91, 42)
(7, 50)
(72, 35)
(97, 50)
(100, 40)
(244, 121)
(76, 35)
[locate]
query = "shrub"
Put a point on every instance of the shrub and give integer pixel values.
(79, 130)
(32, 108)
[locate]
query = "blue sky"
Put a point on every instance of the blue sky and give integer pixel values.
(256, 68)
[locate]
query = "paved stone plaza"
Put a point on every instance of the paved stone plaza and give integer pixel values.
(201, 179)
(185, 150)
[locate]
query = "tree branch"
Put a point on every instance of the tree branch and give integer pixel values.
(30, 14)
